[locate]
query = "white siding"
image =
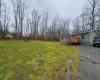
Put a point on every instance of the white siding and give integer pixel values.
(86, 38)
(92, 35)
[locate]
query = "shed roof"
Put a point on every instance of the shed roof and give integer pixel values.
(83, 32)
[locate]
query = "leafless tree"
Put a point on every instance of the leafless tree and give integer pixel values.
(83, 22)
(44, 23)
(55, 23)
(0, 16)
(19, 8)
(66, 25)
(6, 18)
(21, 13)
(35, 23)
(98, 17)
(0, 7)
(76, 25)
(28, 28)
(91, 11)
(15, 12)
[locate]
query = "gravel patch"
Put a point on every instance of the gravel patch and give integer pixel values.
(89, 68)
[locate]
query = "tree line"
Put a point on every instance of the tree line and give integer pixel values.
(39, 27)
(89, 19)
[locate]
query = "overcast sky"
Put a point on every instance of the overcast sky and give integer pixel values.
(65, 8)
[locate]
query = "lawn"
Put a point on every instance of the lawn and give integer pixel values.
(36, 60)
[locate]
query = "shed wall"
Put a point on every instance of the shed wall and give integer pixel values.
(63, 40)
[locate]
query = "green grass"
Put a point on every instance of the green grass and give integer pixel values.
(36, 60)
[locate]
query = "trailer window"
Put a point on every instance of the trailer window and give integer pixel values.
(95, 37)
(82, 36)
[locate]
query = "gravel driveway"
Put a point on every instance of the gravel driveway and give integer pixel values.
(89, 63)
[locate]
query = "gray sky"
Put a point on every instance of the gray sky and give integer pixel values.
(65, 8)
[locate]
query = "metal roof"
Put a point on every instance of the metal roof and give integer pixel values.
(78, 33)
(82, 33)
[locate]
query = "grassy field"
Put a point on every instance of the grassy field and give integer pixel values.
(36, 60)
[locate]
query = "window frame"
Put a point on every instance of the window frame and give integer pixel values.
(82, 36)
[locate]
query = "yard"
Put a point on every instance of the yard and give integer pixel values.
(36, 60)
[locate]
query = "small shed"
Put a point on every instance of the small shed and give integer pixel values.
(8, 36)
(63, 39)
(86, 38)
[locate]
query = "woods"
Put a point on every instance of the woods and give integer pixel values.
(89, 19)
(4, 19)
(37, 26)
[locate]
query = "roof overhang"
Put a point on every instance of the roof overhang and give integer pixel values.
(80, 33)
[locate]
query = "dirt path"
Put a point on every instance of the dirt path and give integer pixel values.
(89, 63)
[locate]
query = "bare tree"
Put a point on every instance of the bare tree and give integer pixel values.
(76, 25)
(91, 11)
(28, 28)
(55, 23)
(98, 15)
(19, 12)
(35, 23)
(83, 22)
(44, 23)
(0, 21)
(66, 25)
(0, 16)
(6, 18)
(0, 7)
(15, 11)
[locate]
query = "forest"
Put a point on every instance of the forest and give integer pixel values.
(39, 27)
